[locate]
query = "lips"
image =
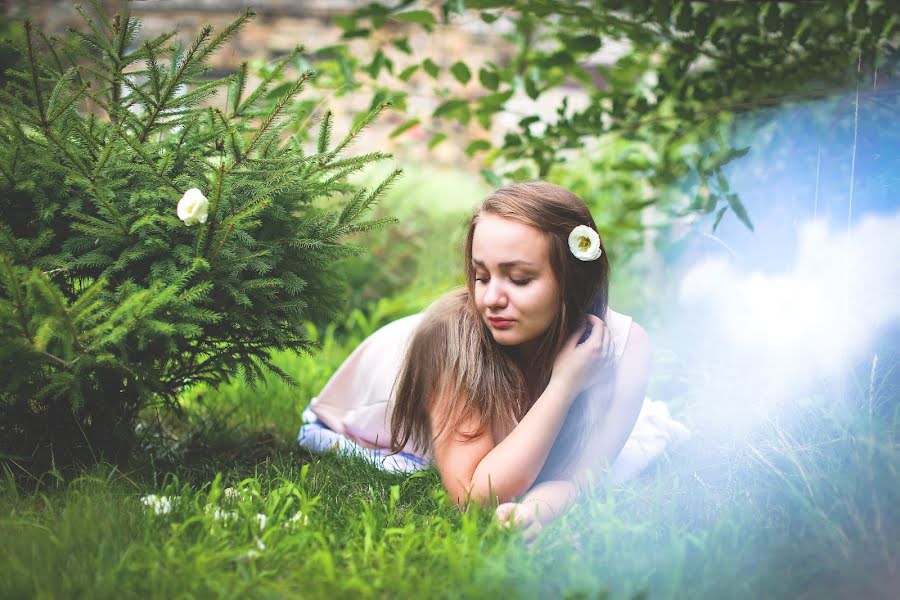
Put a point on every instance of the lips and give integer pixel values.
(500, 322)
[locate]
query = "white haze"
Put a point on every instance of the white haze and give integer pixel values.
(806, 319)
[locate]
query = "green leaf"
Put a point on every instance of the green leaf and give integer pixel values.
(480, 4)
(560, 58)
(436, 139)
(402, 44)
(461, 72)
(374, 67)
(684, 17)
(489, 17)
(450, 106)
(422, 17)
(772, 17)
(355, 33)
(491, 177)
(495, 101)
(531, 88)
(431, 68)
(719, 215)
(406, 73)
(738, 208)
(455, 6)
(404, 127)
(477, 146)
(583, 43)
(511, 140)
(489, 78)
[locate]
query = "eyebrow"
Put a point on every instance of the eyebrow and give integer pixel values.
(505, 265)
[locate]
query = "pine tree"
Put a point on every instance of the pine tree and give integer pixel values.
(108, 301)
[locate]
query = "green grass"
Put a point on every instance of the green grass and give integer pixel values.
(806, 506)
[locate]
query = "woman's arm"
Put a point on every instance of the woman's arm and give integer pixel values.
(550, 498)
(476, 468)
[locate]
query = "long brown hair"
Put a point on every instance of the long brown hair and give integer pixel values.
(452, 354)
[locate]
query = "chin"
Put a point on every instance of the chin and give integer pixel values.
(508, 338)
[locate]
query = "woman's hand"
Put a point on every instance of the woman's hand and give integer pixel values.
(582, 365)
(523, 516)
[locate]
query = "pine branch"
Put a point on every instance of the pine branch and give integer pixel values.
(214, 208)
(112, 212)
(237, 89)
(264, 84)
(324, 134)
(147, 161)
(270, 119)
(52, 294)
(11, 282)
(221, 243)
(353, 209)
(49, 45)
(226, 33)
(368, 120)
(173, 81)
(36, 86)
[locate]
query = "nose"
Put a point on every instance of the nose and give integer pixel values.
(494, 294)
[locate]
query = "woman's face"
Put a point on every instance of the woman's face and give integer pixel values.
(515, 289)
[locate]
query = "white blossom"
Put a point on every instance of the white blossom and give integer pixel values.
(261, 520)
(193, 207)
(224, 515)
(161, 505)
(299, 517)
(584, 243)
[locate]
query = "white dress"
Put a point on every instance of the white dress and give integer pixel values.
(352, 412)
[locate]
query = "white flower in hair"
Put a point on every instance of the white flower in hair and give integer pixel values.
(584, 243)
(193, 207)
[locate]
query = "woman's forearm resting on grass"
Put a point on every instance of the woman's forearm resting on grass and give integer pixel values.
(549, 499)
(475, 470)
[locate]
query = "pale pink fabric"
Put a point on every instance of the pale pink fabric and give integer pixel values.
(358, 399)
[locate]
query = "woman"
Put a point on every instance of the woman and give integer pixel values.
(518, 387)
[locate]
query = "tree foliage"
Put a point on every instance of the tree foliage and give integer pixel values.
(108, 301)
(663, 79)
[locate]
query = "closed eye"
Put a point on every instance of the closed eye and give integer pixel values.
(520, 281)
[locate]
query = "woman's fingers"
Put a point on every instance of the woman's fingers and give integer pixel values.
(504, 512)
(576, 336)
(513, 514)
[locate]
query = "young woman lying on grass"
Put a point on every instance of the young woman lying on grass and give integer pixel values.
(518, 387)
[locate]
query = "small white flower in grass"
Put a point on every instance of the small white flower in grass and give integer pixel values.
(584, 243)
(231, 493)
(253, 553)
(193, 207)
(161, 505)
(224, 515)
(261, 520)
(248, 555)
(299, 517)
